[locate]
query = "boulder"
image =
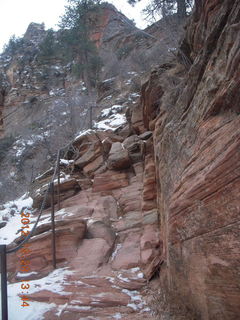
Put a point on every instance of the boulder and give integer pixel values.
(109, 134)
(99, 229)
(135, 147)
(3, 224)
(128, 221)
(110, 180)
(91, 254)
(69, 234)
(93, 151)
(132, 279)
(126, 131)
(107, 144)
(129, 254)
(84, 140)
(146, 135)
(68, 188)
(118, 157)
(93, 166)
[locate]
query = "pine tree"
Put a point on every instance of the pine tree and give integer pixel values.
(166, 7)
(48, 46)
(13, 45)
(77, 24)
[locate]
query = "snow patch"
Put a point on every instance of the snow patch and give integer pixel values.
(60, 309)
(66, 162)
(120, 276)
(21, 144)
(113, 110)
(133, 73)
(11, 212)
(137, 302)
(83, 133)
(54, 282)
(113, 122)
(134, 269)
(111, 118)
(135, 95)
(25, 275)
(16, 311)
(108, 80)
(59, 92)
(114, 254)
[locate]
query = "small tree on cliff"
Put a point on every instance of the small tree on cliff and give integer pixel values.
(166, 7)
(47, 49)
(77, 23)
(13, 45)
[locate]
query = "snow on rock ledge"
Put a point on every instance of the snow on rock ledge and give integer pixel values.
(111, 118)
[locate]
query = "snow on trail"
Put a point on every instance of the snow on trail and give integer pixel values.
(54, 282)
(11, 213)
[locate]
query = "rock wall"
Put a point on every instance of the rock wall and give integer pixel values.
(106, 231)
(161, 192)
(193, 110)
(43, 105)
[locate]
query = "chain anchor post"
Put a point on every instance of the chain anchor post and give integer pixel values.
(53, 226)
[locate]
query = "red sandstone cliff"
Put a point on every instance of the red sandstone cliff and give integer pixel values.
(161, 193)
(194, 115)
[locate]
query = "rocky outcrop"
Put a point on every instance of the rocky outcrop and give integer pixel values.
(195, 125)
(44, 104)
(118, 157)
(159, 195)
(102, 232)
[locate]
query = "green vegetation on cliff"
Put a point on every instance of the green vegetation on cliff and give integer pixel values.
(73, 43)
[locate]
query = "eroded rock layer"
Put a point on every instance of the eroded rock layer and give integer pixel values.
(106, 231)
(196, 146)
(159, 195)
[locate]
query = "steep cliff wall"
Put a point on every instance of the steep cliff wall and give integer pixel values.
(107, 229)
(43, 104)
(193, 110)
(161, 192)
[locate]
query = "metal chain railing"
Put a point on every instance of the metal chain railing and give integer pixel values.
(50, 191)
(35, 225)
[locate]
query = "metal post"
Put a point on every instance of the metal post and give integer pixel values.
(53, 227)
(58, 177)
(3, 263)
(91, 119)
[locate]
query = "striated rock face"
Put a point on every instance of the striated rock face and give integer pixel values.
(44, 104)
(69, 234)
(160, 194)
(195, 117)
(108, 243)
